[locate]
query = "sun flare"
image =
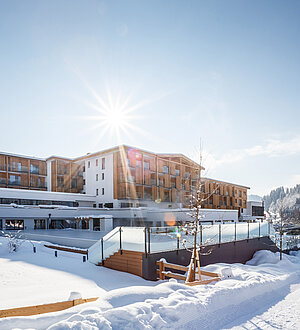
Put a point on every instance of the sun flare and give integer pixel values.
(115, 114)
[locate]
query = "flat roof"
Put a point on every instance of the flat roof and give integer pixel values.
(21, 193)
(233, 184)
(20, 156)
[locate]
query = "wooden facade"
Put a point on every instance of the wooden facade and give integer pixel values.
(22, 172)
(141, 175)
(66, 175)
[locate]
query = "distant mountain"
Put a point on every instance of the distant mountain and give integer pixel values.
(254, 198)
(285, 198)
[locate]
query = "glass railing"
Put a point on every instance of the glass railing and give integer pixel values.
(22, 169)
(158, 239)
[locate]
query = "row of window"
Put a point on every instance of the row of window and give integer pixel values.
(97, 176)
(97, 163)
(105, 205)
(36, 202)
(97, 191)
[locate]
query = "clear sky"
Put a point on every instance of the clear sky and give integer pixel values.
(171, 71)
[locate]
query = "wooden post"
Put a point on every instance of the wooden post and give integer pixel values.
(161, 269)
(191, 272)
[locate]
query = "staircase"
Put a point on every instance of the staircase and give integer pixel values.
(125, 261)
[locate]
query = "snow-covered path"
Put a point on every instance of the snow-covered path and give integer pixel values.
(282, 314)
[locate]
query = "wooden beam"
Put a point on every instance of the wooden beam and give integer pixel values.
(41, 309)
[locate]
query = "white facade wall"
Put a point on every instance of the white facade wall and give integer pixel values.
(90, 177)
(247, 213)
(82, 199)
(49, 175)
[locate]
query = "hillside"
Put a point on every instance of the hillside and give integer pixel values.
(287, 199)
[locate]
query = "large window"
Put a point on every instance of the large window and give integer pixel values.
(39, 224)
(258, 211)
(103, 163)
(14, 224)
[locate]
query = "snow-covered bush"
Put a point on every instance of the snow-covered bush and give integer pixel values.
(15, 240)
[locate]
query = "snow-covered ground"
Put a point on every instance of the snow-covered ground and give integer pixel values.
(265, 294)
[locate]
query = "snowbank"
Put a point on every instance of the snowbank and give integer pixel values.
(174, 305)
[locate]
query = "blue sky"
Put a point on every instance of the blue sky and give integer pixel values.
(223, 71)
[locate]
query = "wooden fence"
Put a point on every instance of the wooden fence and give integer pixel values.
(61, 248)
(162, 273)
(41, 309)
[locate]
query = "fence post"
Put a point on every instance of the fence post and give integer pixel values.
(235, 232)
(145, 241)
(201, 236)
(120, 240)
(248, 230)
(149, 240)
(259, 230)
(161, 269)
(102, 244)
(219, 235)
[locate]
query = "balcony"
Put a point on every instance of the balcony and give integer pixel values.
(153, 182)
(37, 171)
(19, 169)
(39, 186)
(16, 184)
(2, 181)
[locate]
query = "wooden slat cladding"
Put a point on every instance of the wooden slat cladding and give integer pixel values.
(128, 261)
(22, 172)
(171, 179)
(66, 176)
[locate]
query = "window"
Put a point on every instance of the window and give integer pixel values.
(95, 205)
(146, 165)
(60, 182)
(14, 224)
(96, 177)
(166, 196)
(138, 163)
(96, 162)
(109, 205)
(166, 169)
(74, 183)
(102, 176)
(100, 206)
(177, 172)
(103, 163)
(102, 191)
(89, 164)
(83, 182)
(240, 194)
(97, 192)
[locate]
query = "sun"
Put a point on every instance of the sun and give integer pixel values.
(115, 114)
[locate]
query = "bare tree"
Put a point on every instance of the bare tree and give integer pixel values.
(15, 240)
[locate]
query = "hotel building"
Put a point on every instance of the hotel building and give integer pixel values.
(128, 184)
